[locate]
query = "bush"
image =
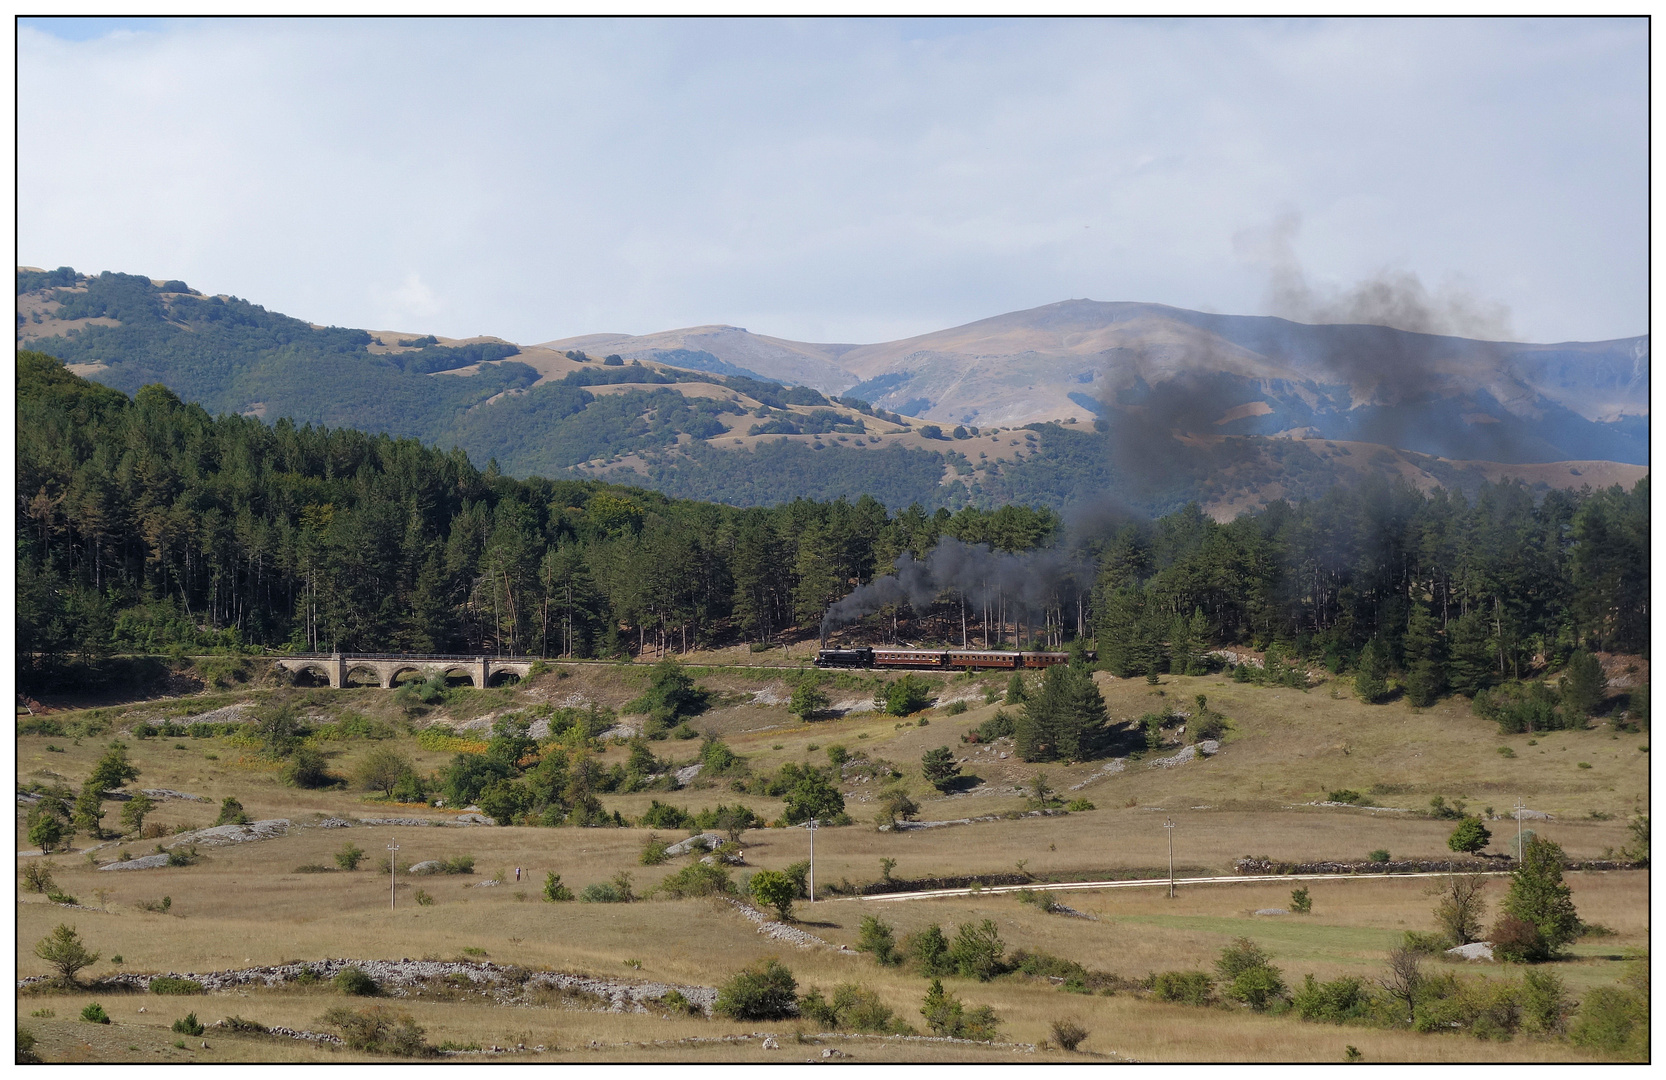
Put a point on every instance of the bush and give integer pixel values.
(653, 851)
(423, 899)
(900, 697)
(189, 1025)
(356, 982)
(662, 816)
(697, 879)
(244, 1027)
(231, 812)
(949, 1017)
(350, 856)
(1517, 940)
(776, 889)
(1077, 806)
(1248, 975)
(1379, 856)
(378, 1030)
(876, 937)
(617, 891)
(1069, 1034)
(853, 1007)
(1346, 795)
(1300, 901)
(1185, 987)
(1544, 1002)
(675, 1001)
(929, 950)
(167, 984)
(977, 951)
(94, 1014)
(308, 768)
(554, 891)
(1346, 1000)
(763, 991)
(999, 726)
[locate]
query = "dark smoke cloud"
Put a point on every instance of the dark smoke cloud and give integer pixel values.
(1395, 298)
(1029, 583)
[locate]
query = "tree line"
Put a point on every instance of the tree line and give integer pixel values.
(144, 525)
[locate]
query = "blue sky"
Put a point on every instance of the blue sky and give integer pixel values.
(847, 180)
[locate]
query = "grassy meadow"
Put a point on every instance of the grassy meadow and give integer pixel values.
(246, 905)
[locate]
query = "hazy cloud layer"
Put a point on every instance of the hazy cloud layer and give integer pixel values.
(850, 181)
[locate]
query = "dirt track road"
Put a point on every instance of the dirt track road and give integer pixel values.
(1144, 883)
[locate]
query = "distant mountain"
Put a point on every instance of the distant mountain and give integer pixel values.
(1455, 397)
(1064, 405)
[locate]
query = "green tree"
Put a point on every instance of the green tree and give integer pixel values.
(776, 889)
(1469, 668)
(134, 810)
(807, 700)
(940, 768)
(976, 952)
(1065, 719)
(1470, 836)
(231, 812)
(1370, 680)
(382, 768)
(1583, 686)
(949, 1017)
(1461, 910)
(813, 796)
(877, 937)
(63, 950)
(1540, 897)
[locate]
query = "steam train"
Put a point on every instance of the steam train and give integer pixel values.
(964, 659)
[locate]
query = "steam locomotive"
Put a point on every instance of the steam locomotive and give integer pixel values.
(963, 659)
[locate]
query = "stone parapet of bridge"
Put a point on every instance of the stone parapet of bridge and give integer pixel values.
(339, 667)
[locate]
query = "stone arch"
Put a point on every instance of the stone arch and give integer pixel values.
(375, 677)
(309, 675)
(460, 671)
(406, 669)
(503, 677)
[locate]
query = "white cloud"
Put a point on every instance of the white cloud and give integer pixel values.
(836, 180)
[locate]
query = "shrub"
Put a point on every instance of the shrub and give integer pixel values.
(1544, 1002)
(554, 891)
(189, 1025)
(617, 891)
(776, 889)
(653, 851)
(308, 768)
(900, 697)
(697, 879)
(350, 856)
(1379, 856)
(58, 896)
(1077, 806)
(1470, 836)
(1346, 795)
(948, 1016)
(929, 950)
(1343, 1001)
(1300, 901)
(1185, 987)
(244, 1027)
(231, 812)
(1248, 975)
(94, 1014)
(423, 899)
(379, 1030)
(356, 982)
(940, 768)
(877, 937)
(662, 816)
(853, 1007)
(1069, 1034)
(1517, 940)
(955, 708)
(167, 984)
(999, 726)
(976, 951)
(763, 991)
(64, 951)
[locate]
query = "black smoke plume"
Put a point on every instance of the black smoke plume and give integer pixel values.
(1022, 586)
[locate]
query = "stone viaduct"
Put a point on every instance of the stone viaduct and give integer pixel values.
(387, 667)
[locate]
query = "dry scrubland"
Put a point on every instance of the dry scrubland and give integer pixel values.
(245, 906)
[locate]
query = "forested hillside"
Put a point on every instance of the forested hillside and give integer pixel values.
(145, 524)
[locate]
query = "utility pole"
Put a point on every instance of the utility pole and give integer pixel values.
(393, 849)
(812, 827)
(1520, 806)
(1168, 825)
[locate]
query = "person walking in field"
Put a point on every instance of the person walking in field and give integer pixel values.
(517, 875)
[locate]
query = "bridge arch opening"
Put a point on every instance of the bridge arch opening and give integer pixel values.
(310, 676)
(361, 676)
(408, 675)
(458, 677)
(503, 678)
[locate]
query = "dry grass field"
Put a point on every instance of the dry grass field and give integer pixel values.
(244, 905)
